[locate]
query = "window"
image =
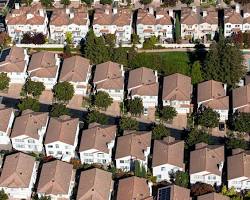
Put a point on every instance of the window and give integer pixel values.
(57, 146)
(19, 140)
(163, 168)
(51, 152)
(68, 153)
(121, 161)
(50, 146)
(59, 152)
(31, 141)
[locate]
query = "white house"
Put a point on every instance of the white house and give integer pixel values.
(62, 137)
(238, 174)
(30, 19)
(241, 99)
(109, 77)
(233, 21)
(131, 147)
(44, 67)
(28, 131)
(168, 157)
(113, 21)
(97, 143)
(206, 164)
(177, 92)
(74, 21)
(7, 116)
(57, 180)
(77, 71)
(14, 62)
(18, 175)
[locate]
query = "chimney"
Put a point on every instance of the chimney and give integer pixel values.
(237, 8)
(17, 6)
(41, 12)
(114, 10)
(150, 184)
(194, 9)
(200, 145)
(156, 75)
(67, 11)
(122, 69)
(237, 151)
(71, 15)
(151, 10)
(204, 13)
(225, 87)
(171, 13)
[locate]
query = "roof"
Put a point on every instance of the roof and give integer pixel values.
(17, 171)
(29, 123)
(213, 196)
(62, 129)
(175, 193)
(75, 69)
(168, 151)
(211, 18)
(55, 178)
(209, 156)
(14, 60)
(234, 18)
(133, 188)
(146, 90)
(144, 17)
(133, 144)
(189, 17)
(43, 64)
(241, 96)
(94, 184)
(221, 103)
(97, 137)
(177, 87)
(5, 115)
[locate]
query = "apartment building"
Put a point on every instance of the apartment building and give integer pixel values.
(241, 99)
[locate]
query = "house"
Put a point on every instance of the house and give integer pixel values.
(57, 179)
(168, 157)
(212, 94)
(132, 146)
(44, 67)
(134, 188)
(95, 184)
(176, 92)
(14, 61)
(113, 21)
(29, 130)
(233, 22)
(97, 143)
(149, 25)
(109, 77)
(173, 192)
(7, 116)
(74, 21)
(241, 99)
(18, 175)
(31, 19)
(77, 71)
(213, 196)
(143, 83)
(209, 168)
(238, 173)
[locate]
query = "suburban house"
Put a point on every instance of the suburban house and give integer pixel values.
(233, 21)
(28, 131)
(173, 192)
(7, 116)
(69, 21)
(31, 19)
(238, 173)
(14, 61)
(97, 143)
(62, 137)
(134, 188)
(113, 21)
(213, 196)
(109, 77)
(241, 99)
(77, 71)
(57, 179)
(132, 146)
(18, 175)
(159, 25)
(212, 94)
(143, 83)
(95, 184)
(168, 157)
(177, 92)
(44, 67)
(209, 168)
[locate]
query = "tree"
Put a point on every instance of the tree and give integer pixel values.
(33, 88)
(38, 38)
(224, 62)
(188, 2)
(95, 116)
(235, 140)
(208, 118)
(66, 51)
(196, 73)
(58, 109)
(29, 103)
(64, 91)
(177, 29)
(47, 3)
(88, 2)
(196, 136)
(104, 2)
(167, 113)
(145, 2)
(68, 35)
(160, 131)
(128, 123)
(102, 100)
(242, 122)
(135, 106)
(41, 198)
(169, 3)
(238, 38)
(110, 40)
(232, 193)
(4, 81)
(27, 38)
(199, 189)
(135, 38)
(65, 2)
(149, 43)
(120, 56)
(139, 169)
(180, 178)
(27, 2)
(3, 195)
(5, 40)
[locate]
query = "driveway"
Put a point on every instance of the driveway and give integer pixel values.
(76, 102)
(13, 91)
(46, 97)
(113, 110)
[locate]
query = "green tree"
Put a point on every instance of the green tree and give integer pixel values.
(128, 123)
(95, 116)
(160, 131)
(242, 122)
(29, 103)
(104, 2)
(58, 109)
(135, 38)
(120, 56)
(167, 113)
(188, 2)
(5, 40)
(88, 2)
(28, 2)
(41, 198)
(64, 91)
(235, 140)
(196, 136)
(65, 2)
(145, 2)
(181, 178)
(47, 3)
(102, 100)
(139, 170)
(68, 35)
(66, 51)
(4, 81)
(232, 193)
(209, 118)
(110, 39)
(177, 29)
(135, 106)
(196, 73)
(33, 88)
(150, 42)
(3, 195)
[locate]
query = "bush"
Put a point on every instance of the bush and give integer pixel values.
(102, 100)
(199, 189)
(181, 178)
(208, 118)
(160, 131)
(167, 113)
(128, 123)
(95, 116)
(58, 110)
(29, 103)
(135, 106)
(4, 81)
(36, 38)
(33, 88)
(196, 136)
(64, 91)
